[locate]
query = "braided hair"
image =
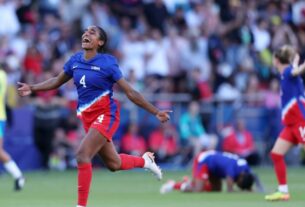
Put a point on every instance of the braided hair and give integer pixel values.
(103, 37)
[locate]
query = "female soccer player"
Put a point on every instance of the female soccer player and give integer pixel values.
(8, 163)
(286, 61)
(209, 168)
(94, 74)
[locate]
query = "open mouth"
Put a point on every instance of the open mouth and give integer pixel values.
(86, 40)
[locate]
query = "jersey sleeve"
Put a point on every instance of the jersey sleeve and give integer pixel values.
(116, 73)
(68, 67)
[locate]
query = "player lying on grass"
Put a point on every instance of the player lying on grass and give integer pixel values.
(286, 60)
(209, 169)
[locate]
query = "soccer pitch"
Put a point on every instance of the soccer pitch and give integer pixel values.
(137, 189)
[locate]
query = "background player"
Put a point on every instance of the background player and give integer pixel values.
(9, 165)
(94, 74)
(293, 115)
(209, 168)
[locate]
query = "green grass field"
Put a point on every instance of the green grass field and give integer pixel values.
(137, 189)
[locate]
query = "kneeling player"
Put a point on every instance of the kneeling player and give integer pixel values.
(209, 168)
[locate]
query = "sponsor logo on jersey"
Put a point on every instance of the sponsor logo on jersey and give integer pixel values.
(95, 68)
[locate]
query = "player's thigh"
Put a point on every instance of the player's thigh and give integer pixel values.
(109, 155)
(91, 144)
(282, 146)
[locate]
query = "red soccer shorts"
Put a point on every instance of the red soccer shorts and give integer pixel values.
(202, 173)
(294, 133)
(106, 121)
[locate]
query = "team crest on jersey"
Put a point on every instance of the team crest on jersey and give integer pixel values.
(95, 68)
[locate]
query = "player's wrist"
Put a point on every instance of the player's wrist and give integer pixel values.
(156, 112)
(32, 88)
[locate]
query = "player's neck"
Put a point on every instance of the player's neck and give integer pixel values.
(283, 67)
(88, 54)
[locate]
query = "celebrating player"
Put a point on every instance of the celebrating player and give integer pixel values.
(209, 168)
(5, 158)
(94, 74)
(286, 61)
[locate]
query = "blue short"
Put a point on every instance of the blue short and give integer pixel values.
(2, 128)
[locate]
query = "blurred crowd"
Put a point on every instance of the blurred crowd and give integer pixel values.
(211, 50)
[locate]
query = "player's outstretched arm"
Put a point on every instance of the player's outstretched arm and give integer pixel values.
(52, 83)
(297, 69)
(138, 99)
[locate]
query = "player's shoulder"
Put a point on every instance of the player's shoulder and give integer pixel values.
(109, 58)
(77, 56)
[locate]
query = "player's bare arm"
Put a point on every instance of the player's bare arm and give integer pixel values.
(138, 99)
(297, 69)
(230, 184)
(52, 83)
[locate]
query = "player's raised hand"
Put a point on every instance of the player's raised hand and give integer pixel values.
(163, 115)
(24, 89)
(297, 69)
(296, 60)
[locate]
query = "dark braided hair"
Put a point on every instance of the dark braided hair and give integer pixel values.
(246, 181)
(103, 37)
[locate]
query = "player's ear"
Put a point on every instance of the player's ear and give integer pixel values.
(100, 43)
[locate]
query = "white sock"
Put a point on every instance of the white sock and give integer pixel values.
(80, 206)
(283, 188)
(13, 169)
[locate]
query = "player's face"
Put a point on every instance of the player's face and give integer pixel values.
(90, 39)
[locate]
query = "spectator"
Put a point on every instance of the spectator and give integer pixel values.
(156, 60)
(238, 140)
(33, 61)
(298, 15)
(254, 93)
(132, 142)
(262, 38)
(175, 44)
(133, 52)
(62, 156)
(9, 23)
(156, 14)
(178, 19)
(193, 135)
(47, 117)
(164, 142)
(199, 87)
(195, 54)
